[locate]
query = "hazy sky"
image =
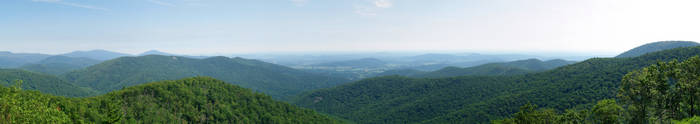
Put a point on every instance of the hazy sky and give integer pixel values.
(249, 26)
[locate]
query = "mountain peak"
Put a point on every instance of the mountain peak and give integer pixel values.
(656, 46)
(98, 54)
(155, 52)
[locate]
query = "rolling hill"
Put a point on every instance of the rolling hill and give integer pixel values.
(402, 72)
(156, 52)
(478, 99)
(500, 68)
(656, 46)
(12, 60)
(358, 63)
(57, 65)
(490, 69)
(280, 82)
(44, 83)
(190, 100)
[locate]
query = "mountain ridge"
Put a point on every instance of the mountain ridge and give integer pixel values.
(469, 99)
(278, 81)
(656, 46)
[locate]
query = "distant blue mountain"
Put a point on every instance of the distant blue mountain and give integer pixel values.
(656, 46)
(11, 60)
(96, 54)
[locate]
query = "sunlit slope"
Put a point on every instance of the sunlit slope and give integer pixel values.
(471, 99)
(278, 81)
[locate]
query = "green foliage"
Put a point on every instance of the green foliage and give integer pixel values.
(478, 99)
(395, 99)
(693, 120)
(664, 91)
(278, 81)
(191, 100)
(529, 114)
(44, 83)
(607, 112)
(655, 94)
(17, 106)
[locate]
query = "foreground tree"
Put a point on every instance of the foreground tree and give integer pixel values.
(607, 112)
(658, 93)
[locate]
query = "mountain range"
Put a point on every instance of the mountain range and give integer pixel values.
(56, 65)
(278, 81)
(114, 88)
(479, 99)
(11, 60)
(492, 69)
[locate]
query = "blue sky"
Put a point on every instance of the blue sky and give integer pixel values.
(254, 26)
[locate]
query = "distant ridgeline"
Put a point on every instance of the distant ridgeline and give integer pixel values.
(190, 100)
(280, 82)
(656, 46)
(470, 99)
(491, 69)
(57, 65)
(82, 76)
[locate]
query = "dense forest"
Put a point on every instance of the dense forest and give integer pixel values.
(42, 82)
(190, 100)
(396, 99)
(277, 81)
(661, 93)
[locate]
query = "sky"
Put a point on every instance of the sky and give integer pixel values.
(269, 26)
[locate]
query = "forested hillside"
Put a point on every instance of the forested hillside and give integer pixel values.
(57, 65)
(660, 94)
(472, 99)
(42, 82)
(656, 46)
(190, 100)
(278, 81)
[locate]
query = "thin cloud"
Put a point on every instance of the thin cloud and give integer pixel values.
(383, 3)
(371, 7)
(61, 2)
(158, 2)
